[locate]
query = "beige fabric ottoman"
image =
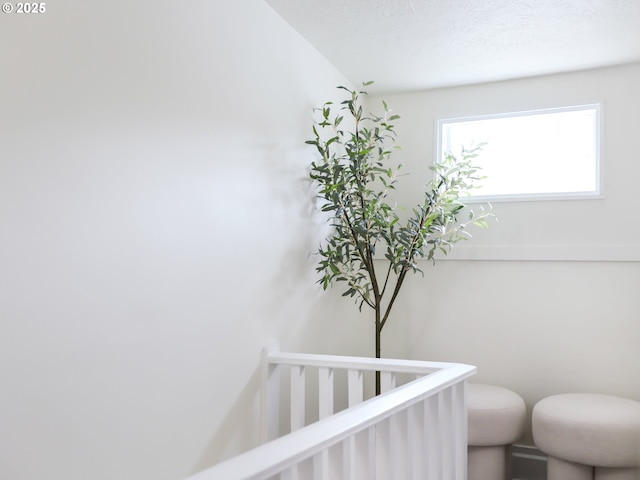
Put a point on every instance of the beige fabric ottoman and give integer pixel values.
(496, 420)
(588, 436)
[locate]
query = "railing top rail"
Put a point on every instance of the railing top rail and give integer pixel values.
(281, 453)
(358, 363)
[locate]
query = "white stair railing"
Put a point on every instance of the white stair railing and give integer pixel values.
(417, 430)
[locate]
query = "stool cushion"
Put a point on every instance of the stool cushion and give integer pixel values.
(496, 415)
(592, 429)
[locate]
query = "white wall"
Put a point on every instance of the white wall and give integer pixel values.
(155, 231)
(538, 327)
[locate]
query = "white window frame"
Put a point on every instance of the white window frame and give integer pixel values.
(595, 194)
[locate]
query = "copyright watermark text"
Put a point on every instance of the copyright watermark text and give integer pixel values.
(24, 8)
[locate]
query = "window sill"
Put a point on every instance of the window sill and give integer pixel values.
(546, 253)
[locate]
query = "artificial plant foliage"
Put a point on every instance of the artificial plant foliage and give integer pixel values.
(371, 250)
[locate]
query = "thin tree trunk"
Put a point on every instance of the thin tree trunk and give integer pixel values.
(378, 345)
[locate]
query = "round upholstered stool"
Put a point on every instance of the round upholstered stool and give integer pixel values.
(496, 420)
(588, 436)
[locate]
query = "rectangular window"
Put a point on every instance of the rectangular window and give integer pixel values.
(542, 154)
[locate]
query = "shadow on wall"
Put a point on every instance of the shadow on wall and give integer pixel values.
(295, 312)
(235, 431)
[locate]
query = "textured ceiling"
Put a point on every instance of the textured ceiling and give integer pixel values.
(415, 44)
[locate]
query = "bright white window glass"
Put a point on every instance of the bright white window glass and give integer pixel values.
(539, 154)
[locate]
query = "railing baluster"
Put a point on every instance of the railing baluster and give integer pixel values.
(415, 442)
(385, 450)
(297, 397)
(393, 461)
(447, 434)
(355, 387)
(371, 452)
(459, 407)
(434, 440)
(387, 381)
(425, 438)
(325, 392)
(348, 457)
(399, 465)
(320, 464)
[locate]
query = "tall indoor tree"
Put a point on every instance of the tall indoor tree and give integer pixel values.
(371, 250)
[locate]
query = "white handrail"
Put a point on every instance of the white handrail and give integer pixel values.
(280, 455)
(358, 363)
